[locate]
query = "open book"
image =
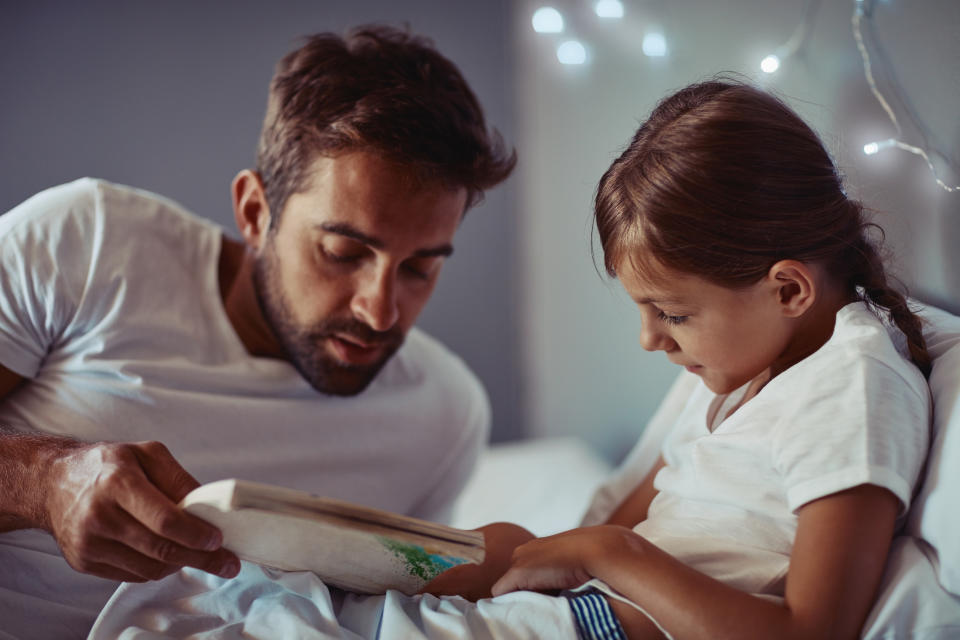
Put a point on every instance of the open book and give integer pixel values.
(352, 547)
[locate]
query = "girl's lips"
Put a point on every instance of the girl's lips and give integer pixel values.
(693, 368)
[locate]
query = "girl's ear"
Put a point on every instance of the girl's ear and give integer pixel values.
(250, 209)
(794, 285)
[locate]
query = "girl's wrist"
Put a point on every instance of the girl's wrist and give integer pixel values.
(617, 548)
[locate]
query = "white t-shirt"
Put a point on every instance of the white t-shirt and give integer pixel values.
(854, 412)
(110, 305)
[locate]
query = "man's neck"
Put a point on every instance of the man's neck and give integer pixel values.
(235, 272)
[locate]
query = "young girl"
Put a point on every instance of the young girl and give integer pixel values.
(794, 461)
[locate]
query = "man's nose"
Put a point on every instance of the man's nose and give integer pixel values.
(375, 301)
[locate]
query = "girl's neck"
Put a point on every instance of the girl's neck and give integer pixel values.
(813, 329)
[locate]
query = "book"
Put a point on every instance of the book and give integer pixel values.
(353, 547)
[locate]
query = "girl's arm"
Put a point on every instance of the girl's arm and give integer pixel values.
(836, 565)
(633, 509)
(473, 581)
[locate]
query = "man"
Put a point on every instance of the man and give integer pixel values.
(289, 358)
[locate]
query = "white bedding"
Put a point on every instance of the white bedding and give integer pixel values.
(544, 485)
(260, 603)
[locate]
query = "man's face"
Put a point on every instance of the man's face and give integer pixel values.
(354, 259)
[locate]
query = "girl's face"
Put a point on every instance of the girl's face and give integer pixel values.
(726, 336)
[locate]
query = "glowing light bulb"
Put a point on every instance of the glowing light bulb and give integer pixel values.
(609, 9)
(874, 147)
(572, 52)
(654, 45)
(547, 20)
(770, 64)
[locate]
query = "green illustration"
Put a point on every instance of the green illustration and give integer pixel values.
(420, 562)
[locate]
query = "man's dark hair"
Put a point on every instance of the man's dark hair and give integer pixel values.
(379, 89)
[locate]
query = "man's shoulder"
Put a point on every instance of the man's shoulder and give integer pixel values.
(427, 363)
(424, 354)
(94, 201)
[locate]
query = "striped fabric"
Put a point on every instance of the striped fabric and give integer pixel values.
(595, 619)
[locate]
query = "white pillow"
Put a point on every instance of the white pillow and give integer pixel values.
(935, 514)
(911, 603)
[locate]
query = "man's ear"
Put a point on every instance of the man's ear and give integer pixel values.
(250, 209)
(794, 285)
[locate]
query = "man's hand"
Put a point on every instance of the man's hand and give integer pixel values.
(113, 510)
(473, 581)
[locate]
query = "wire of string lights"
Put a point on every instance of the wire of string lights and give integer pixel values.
(860, 11)
(771, 63)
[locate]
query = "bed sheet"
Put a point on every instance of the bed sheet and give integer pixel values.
(543, 484)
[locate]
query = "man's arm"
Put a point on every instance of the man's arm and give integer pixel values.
(111, 507)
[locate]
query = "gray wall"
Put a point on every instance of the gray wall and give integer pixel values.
(169, 96)
(585, 372)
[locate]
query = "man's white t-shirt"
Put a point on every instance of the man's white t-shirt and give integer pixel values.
(110, 306)
(854, 412)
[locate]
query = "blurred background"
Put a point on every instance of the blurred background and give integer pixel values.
(169, 97)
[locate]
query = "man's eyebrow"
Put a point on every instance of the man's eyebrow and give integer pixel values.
(344, 229)
(443, 251)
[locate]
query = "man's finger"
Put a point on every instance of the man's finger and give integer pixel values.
(149, 506)
(164, 471)
(149, 545)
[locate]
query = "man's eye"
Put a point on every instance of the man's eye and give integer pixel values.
(421, 268)
(339, 258)
(416, 273)
(671, 319)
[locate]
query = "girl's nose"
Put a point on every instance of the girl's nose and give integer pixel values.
(654, 339)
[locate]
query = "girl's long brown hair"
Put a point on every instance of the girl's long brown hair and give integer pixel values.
(724, 180)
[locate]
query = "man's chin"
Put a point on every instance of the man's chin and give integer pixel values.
(342, 381)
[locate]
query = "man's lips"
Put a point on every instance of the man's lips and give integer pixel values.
(352, 350)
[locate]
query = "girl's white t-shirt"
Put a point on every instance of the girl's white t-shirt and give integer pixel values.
(110, 306)
(854, 412)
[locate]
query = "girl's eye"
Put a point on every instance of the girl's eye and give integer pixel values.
(671, 319)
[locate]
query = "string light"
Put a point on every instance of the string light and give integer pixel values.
(771, 63)
(872, 148)
(608, 9)
(547, 20)
(572, 52)
(654, 45)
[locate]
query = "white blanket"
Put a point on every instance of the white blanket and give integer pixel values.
(261, 603)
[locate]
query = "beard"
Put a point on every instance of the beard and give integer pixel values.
(304, 346)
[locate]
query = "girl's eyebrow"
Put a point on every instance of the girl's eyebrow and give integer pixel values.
(656, 301)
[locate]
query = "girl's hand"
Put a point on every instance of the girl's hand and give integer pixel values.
(473, 581)
(566, 560)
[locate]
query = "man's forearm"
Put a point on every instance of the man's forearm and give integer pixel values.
(26, 463)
